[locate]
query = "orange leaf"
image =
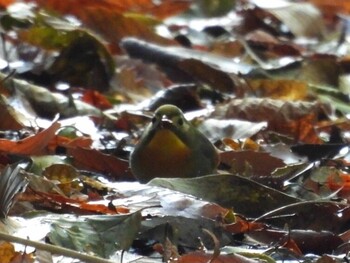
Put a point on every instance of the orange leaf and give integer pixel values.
(243, 226)
(5, 3)
(7, 252)
(339, 181)
(100, 208)
(302, 129)
(68, 142)
(58, 202)
(332, 8)
(32, 145)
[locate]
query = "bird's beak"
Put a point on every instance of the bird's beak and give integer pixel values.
(165, 122)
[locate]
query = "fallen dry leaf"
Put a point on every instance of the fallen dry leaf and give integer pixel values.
(32, 145)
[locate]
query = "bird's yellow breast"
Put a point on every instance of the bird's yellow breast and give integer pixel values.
(164, 141)
(165, 154)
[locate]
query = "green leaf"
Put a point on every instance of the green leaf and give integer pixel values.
(101, 235)
(333, 96)
(39, 163)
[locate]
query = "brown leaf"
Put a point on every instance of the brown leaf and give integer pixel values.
(182, 64)
(8, 117)
(327, 259)
(90, 159)
(330, 216)
(261, 163)
(184, 96)
(23, 258)
(119, 26)
(270, 45)
(78, 7)
(307, 240)
(210, 74)
(320, 70)
(293, 118)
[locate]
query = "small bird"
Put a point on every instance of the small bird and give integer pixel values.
(172, 147)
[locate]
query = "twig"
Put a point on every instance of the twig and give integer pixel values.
(53, 249)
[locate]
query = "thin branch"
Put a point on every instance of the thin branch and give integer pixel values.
(53, 249)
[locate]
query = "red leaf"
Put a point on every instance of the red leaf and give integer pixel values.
(96, 99)
(200, 257)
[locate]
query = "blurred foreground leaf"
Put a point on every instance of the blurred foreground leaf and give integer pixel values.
(12, 181)
(101, 235)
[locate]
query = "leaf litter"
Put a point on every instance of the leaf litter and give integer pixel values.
(266, 83)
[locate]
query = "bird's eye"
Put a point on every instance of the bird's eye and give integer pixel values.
(154, 119)
(180, 122)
